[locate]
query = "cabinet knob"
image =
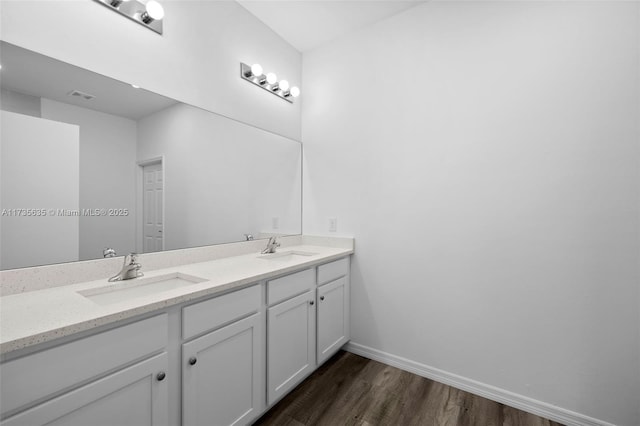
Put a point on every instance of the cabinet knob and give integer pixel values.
(160, 376)
(311, 303)
(321, 297)
(193, 360)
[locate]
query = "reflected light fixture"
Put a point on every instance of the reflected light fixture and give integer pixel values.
(254, 74)
(146, 13)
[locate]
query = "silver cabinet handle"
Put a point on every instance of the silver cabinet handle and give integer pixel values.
(160, 376)
(193, 360)
(321, 297)
(311, 302)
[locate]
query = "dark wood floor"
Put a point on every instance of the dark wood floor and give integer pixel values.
(352, 390)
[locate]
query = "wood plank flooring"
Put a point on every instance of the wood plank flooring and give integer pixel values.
(355, 391)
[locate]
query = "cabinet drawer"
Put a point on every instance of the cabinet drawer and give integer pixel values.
(332, 271)
(213, 313)
(286, 287)
(34, 377)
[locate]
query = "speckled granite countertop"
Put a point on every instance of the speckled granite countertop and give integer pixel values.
(34, 317)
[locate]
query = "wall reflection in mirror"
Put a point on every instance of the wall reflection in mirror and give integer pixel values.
(88, 164)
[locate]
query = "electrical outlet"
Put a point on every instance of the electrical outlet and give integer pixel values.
(333, 224)
(275, 222)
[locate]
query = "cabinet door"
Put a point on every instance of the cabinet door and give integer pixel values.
(291, 342)
(221, 379)
(333, 317)
(134, 396)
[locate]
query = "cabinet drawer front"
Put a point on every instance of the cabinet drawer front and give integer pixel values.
(34, 377)
(213, 313)
(332, 271)
(292, 285)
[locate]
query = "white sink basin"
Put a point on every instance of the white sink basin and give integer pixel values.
(285, 256)
(138, 287)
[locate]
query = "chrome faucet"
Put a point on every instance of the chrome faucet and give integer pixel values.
(271, 246)
(130, 269)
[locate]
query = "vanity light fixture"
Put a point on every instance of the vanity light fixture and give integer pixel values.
(269, 82)
(146, 13)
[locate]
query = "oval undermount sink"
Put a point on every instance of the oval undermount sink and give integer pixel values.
(139, 287)
(285, 256)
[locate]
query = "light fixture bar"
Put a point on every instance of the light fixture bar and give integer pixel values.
(262, 82)
(138, 12)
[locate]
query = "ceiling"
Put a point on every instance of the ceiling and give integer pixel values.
(30, 73)
(307, 24)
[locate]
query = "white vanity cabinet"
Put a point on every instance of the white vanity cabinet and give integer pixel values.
(291, 332)
(115, 377)
(222, 360)
(223, 370)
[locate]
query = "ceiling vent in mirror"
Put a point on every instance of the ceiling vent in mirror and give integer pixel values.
(80, 94)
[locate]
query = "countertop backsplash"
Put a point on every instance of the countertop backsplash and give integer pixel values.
(14, 281)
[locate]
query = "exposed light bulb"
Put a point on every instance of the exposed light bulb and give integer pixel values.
(256, 70)
(271, 78)
(284, 85)
(295, 92)
(155, 9)
(154, 12)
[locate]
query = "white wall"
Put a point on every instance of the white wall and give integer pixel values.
(485, 155)
(37, 234)
(19, 103)
(107, 176)
(222, 178)
(196, 61)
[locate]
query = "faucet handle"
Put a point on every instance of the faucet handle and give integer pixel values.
(131, 258)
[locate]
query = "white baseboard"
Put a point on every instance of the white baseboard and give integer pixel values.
(493, 393)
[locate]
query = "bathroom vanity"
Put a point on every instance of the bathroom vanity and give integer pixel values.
(220, 342)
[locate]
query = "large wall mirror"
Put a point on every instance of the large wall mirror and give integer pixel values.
(88, 163)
